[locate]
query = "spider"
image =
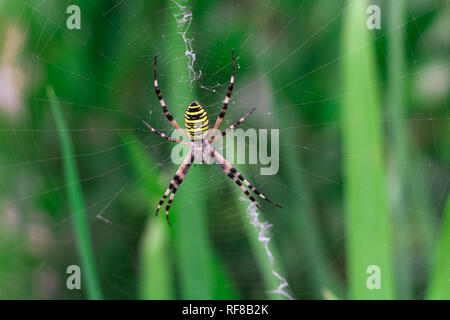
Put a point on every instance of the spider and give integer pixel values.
(201, 139)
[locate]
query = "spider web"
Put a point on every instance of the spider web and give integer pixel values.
(109, 95)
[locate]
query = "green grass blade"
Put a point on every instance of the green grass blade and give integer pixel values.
(193, 250)
(439, 287)
(224, 288)
(155, 277)
(407, 188)
(367, 218)
(76, 202)
(194, 255)
(399, 170)
(155, 272)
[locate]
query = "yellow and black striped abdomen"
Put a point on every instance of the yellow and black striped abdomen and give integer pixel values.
(196, 121)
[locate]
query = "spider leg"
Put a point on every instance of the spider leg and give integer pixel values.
(229, 173)
(169, 204)
(233, 171)
(164, 107)
(175, 183)
(239, 183)
(164, 197)
(234, 125)
(163, 135)
(226, 100)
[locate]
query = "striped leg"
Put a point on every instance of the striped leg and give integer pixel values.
(163, 135)
(234, 125)
(164, 197)
(226, 100)
(181, 176)
(236, 180)
(164, 107)
(230, 168)
(172, 195)
(174, 183)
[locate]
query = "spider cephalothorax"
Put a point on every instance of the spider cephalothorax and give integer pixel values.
(201, 138)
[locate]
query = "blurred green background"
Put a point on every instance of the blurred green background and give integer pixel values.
(364, 149)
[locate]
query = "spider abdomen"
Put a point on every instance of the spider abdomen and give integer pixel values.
(196, 121)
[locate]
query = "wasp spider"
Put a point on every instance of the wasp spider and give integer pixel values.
(201, 138)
